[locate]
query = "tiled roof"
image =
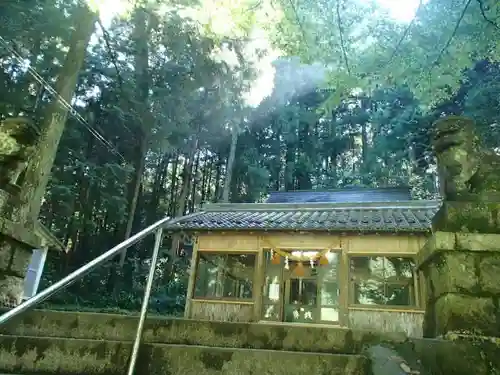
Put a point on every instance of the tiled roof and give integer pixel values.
(409, 216)
(345, 195)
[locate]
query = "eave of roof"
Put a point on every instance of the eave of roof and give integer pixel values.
(408, 216)
(46, 234)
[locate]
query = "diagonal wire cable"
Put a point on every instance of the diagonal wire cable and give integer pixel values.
(62, 101)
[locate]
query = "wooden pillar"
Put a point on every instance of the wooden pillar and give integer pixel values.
(192, 279)
(258, 284)
(344, 283)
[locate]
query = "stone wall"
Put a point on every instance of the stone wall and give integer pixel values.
(16, 244)
(462, 272)
(17, 235)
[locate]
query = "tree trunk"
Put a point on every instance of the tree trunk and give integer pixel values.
(141, 38)
(204, 178)
(157, 190)
(135, 187)
(290, 167)
(218, 172)
(181, 206)
(173, 186)
(37, 174)
(194, 183)
(230, 164)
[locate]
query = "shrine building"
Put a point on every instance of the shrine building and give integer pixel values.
(342, 257)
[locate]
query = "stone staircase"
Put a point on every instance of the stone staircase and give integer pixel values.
(50, 342)
(63, 343)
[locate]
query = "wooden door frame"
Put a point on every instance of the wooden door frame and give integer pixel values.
(342, 285)
(319, 284)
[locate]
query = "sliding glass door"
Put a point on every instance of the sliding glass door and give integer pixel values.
(310, 296)
(301, 300)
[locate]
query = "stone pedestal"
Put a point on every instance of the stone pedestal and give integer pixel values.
(20, 138)
(16, 246)
(462, 273)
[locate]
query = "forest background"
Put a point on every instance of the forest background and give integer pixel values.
(184, 102)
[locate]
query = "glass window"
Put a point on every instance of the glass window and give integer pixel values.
(383, 281)
(272, 290)
(302, 307)
(329, 294)
(225, 276)
(271, 312)
(303, 292)
(330, 314)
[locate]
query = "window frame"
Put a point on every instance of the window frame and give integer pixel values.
(318, 305)
(264, 303)
(415, 279)
(225, 299)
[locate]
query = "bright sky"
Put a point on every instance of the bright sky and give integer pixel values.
(400, 10)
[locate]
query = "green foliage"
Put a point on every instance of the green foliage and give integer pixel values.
(361, 115)
(428, 55)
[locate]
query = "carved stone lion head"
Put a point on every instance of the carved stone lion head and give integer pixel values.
(457, 151)
(453, 131)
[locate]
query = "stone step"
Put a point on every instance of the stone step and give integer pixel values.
(322, 339)
(55, 356)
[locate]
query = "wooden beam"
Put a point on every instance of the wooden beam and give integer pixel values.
(223, 301)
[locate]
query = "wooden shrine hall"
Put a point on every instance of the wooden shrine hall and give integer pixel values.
(342, 257)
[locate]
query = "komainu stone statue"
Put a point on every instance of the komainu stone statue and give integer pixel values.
(461, 260)
(17, 142)
(467, 172)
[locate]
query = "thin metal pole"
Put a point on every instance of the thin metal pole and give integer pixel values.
(79, 273)
(145, 303)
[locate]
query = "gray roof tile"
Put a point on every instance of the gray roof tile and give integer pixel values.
(345, 195)
(409, 216)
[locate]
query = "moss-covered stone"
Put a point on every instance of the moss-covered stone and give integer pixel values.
(459, 313)
(445, 242)
(462, 283)
(457, 355)
(50, 356)
(478, 242)
(468, 217)
(193, 332)
(439, 241)
(14, 259)
(468, 171)
(452, 357)
(214, 348)
(489, 274)
(453, 272)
